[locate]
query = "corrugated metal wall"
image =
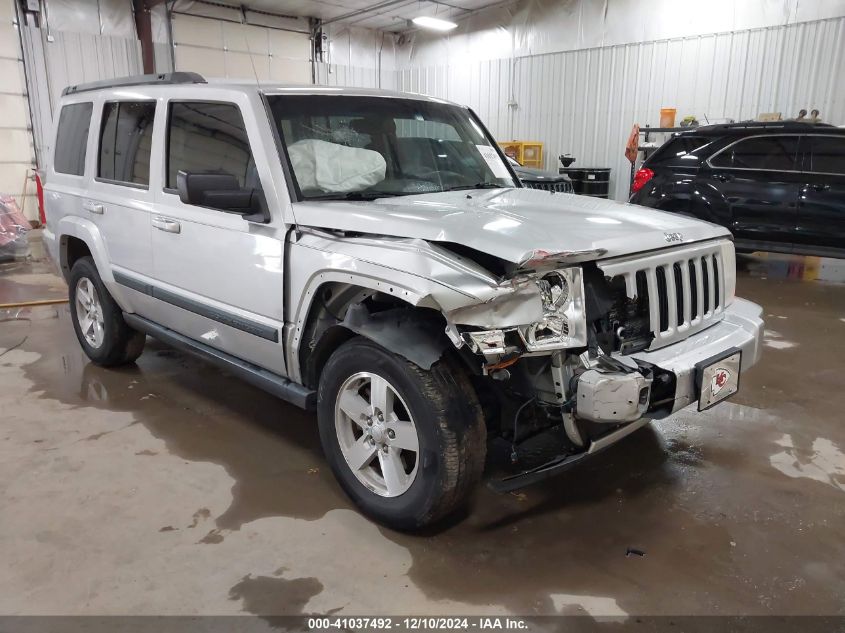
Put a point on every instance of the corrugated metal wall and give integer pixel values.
(584, 102)
(354, 76)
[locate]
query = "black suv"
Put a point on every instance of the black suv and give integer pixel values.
(776, 186)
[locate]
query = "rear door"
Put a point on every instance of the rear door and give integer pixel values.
(119, 198)
(218, 277)
(821, 210)
(758, 179)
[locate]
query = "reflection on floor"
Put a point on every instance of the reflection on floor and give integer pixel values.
(806, 268)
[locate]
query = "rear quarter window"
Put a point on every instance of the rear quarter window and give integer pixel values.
(680, 150)
(72, 139)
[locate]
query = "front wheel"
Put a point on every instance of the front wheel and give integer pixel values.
(407, 445)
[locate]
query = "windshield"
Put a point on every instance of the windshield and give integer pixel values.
(366, 147)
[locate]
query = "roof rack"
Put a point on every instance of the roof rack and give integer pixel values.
(786, 123)
(137, 80)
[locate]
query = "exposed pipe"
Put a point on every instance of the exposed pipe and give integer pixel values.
(168, 7)
(144, 30)
(31, 304)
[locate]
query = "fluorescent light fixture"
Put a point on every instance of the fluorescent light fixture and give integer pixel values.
(436, 24)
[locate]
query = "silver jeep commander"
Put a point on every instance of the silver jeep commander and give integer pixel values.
(372, 256)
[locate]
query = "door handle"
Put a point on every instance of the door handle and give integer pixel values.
(93, 207)
(166, 224)
(722, 177)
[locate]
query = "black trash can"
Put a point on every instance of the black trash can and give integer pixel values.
(589, 181)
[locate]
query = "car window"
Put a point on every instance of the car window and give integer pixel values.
(72, 139)
(126, 136)
(827, 154)
(206, 137)
(679, 149)
(761, 152)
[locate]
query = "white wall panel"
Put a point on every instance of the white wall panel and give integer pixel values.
(17, 150)
(355, 76)
(584, 102)
(221, 48)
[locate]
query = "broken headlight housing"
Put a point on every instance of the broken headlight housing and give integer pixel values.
(564, 323)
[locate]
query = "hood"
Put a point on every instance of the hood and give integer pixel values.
(529, 173)
(511, 223)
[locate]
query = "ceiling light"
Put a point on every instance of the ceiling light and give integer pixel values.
(435, 24)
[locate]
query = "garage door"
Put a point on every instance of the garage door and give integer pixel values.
(219, 48)
(17, 153)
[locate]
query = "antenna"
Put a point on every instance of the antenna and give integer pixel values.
(248, 50)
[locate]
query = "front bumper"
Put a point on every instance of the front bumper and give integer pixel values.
(741, 328)
(615, 397)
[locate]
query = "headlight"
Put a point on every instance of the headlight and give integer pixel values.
(554, 290)
(564, 323)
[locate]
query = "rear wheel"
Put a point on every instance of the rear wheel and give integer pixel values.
(98, 321)
(407, 445)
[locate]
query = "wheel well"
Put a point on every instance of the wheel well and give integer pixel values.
(335, 315)
(72, 249)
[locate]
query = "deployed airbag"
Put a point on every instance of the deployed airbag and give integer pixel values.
(335, 168)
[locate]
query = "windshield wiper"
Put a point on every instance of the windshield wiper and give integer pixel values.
(479, 185)
(357, 195)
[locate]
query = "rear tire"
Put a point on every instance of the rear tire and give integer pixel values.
(439, 406)
(98, 321)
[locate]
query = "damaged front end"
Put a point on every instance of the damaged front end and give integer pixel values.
(559, 383)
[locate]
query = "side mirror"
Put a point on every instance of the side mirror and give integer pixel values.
(223, 192)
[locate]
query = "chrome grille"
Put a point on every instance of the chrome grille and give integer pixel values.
(559, 187)
(685, 288)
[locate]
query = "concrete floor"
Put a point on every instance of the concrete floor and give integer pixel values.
(171, 488)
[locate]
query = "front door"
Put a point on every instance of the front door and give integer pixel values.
(218, 277)
(759, 180)
(821, 210)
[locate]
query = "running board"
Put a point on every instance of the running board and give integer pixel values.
(277, 385)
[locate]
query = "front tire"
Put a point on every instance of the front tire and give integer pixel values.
(97, 319)
(407, 445)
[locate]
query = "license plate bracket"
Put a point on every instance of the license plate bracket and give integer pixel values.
(717, 378)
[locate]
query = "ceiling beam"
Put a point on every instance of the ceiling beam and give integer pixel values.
(384, 4)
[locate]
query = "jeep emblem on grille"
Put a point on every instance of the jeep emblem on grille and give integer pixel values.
(674, 237)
